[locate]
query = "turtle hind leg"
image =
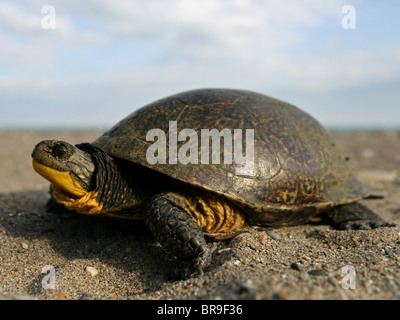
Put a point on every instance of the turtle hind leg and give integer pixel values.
(354, 216)
(179, 235)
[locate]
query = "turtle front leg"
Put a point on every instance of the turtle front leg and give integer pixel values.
(179, 235)
(354, 216)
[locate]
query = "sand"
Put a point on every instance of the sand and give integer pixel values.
(62, 256)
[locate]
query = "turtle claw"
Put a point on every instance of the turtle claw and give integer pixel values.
(179, 235)
(183, 270)
(355, 216)
(356, 225)
(364, 225)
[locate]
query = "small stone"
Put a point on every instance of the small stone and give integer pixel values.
(326, 268)
(24, 245)
(389, 252)
(262, 239)
(333, 281)
(241, 235)
(317, 272)
(296, 266)
(274, 235)
(236, 263)
(223, 250)
(92, 271)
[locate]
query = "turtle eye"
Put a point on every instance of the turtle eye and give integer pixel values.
(59, 150)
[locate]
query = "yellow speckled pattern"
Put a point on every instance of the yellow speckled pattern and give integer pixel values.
(86, 204)
(211, 212)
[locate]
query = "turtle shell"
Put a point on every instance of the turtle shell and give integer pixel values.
(295, 163)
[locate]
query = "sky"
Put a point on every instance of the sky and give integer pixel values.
(87, 64)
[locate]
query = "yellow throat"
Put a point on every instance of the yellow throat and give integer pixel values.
(69, 192)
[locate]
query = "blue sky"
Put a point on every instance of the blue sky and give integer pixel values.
(105, 59)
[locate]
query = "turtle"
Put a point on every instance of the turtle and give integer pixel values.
(195, 182)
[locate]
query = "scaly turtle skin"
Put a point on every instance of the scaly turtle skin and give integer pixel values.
(297, 173)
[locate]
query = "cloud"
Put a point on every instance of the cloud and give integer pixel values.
(208, 28)
(245, 39)
(105, 53)
(334, 70)
(15, 20)
(25, 42)
(256, 39)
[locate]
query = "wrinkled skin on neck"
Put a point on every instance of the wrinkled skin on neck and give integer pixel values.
(117, 183)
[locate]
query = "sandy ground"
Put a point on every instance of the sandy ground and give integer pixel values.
(87, 259)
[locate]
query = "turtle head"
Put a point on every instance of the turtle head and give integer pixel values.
(69, 169)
